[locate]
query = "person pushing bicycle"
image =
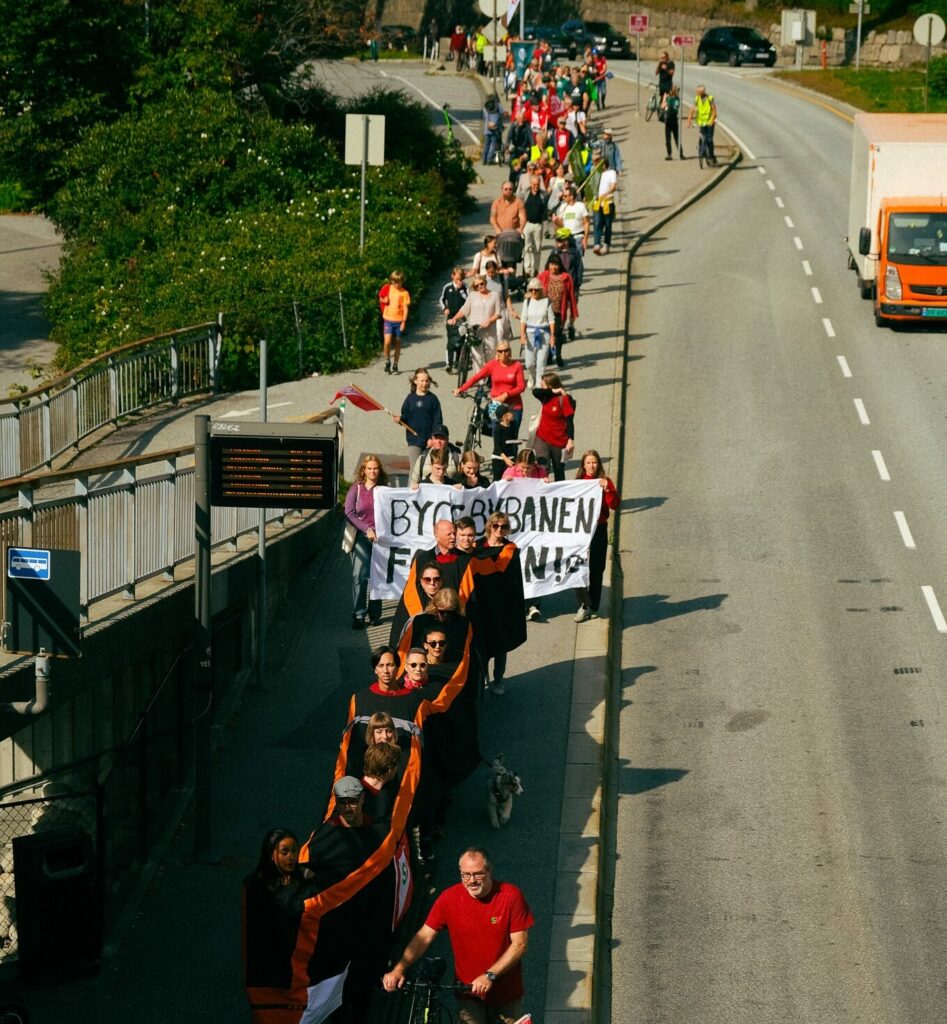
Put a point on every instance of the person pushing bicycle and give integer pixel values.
(488, 922)
(705, 112)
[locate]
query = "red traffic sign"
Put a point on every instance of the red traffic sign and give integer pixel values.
(637, 22)
(682, 41)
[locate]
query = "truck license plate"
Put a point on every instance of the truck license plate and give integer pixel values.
(939, 311)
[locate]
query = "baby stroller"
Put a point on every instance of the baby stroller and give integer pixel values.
(509, 249)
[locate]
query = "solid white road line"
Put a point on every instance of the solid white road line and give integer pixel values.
(437, 106)
(256, 408)
(817, 296)
(789, 223)
(862, 414)
(829, 329)
(905, 530)
(880, 464)
(938, 616)
(843, 362)
(770, 185)
(806, 268)
(797, 241)
(779, 203)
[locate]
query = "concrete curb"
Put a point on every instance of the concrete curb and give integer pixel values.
(578, 990)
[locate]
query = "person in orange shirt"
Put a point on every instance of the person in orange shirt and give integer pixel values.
(395, 316)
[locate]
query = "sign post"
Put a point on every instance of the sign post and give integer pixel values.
(929, 31)
(364, 144)
(638, 23)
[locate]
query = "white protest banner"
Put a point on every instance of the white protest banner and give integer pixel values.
(551, 524)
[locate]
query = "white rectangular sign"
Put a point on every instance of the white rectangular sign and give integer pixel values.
(355, 139)
(551, 524)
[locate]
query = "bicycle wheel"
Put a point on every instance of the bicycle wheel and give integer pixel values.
(470, 438)
(650, 109)
(463, 363)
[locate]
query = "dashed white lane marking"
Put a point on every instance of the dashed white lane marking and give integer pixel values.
(762, 170)
(797, 241)
(789, 223)
(770, 185)
(938, 616)
(817, 296)
(779, 203)
(880, 464)
(843, 362)
(246, 412)
(862, 414)
(807, 268)
(905, 530)
(829, 329)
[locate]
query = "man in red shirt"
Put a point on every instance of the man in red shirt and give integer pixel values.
(488, 923)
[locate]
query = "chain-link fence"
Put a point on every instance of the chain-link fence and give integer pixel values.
(24, 817)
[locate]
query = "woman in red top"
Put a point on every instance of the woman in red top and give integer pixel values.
(589, 599)
(560, 290)
(507, 382)
(555, 432)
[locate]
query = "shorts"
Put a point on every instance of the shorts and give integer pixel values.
(393, 328)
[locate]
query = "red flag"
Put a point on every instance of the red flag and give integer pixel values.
(358, 398)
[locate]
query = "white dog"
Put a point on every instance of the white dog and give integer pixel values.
(504, 785)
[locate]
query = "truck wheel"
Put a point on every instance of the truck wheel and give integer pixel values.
(866, 289)
(880, 320)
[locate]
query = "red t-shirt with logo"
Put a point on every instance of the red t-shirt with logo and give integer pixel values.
(479, 933)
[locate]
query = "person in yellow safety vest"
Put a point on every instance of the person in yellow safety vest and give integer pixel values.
(539, 148)
(705, 112)
(480, 44)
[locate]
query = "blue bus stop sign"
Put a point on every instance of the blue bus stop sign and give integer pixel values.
(28, 564)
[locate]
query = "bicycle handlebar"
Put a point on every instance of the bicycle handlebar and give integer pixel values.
(421, 985)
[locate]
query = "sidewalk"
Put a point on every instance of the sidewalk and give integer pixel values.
(179, 955)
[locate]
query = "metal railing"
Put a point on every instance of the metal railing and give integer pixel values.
(38, 425)
(131, 520)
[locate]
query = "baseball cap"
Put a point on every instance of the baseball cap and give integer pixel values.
(607, 131)
(348, 788)
(441, 431)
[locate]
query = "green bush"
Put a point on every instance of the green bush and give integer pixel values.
(938, 76)
(193, 206)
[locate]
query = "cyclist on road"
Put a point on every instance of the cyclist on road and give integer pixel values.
(705, 112)
(488, 923)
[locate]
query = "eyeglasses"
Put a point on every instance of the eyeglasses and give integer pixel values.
(417, 664)
(500, 351)
(435, 643)
(473, 876)
(483, 284)
(345, 801)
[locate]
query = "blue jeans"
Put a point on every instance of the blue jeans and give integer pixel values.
(491, 147)
(603, 226)
(361, 570)
(707, 131)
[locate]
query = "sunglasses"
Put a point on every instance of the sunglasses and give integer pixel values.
(501, 526)
(417, 664)
(435, 643)
(502, 350)
(431, 579)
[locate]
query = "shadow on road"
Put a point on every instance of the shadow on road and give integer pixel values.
(649, 608)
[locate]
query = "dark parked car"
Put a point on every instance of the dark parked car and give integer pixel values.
(563, 47)
(736, 45)
(598, 34)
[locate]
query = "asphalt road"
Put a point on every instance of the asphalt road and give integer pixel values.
(781, 823)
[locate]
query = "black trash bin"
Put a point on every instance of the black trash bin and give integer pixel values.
(58, 905)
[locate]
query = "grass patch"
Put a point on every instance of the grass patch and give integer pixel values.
(877, 90)
(14, 198)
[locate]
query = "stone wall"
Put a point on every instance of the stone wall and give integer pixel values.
(879, 49)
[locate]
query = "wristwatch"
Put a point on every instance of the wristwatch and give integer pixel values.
(490, 976)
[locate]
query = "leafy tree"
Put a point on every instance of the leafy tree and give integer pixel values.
(64, 65)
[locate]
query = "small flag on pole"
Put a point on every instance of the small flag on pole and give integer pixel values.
(358, 397)
(363, 400)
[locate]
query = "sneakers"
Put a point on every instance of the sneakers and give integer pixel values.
(597, 249)
(394, 368)
(668, 157)
(532, 613)
(387, 366)
(358, 622)
(497, 688)
(604, 251)
(583, 614)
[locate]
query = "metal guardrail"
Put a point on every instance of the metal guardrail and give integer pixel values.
(38, 425)
(131, 520)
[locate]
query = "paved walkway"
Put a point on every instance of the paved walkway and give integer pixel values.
(178, 957)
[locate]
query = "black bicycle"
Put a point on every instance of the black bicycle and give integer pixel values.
(652, 108)
(425, 991)
(479, 417)
(464, 355)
